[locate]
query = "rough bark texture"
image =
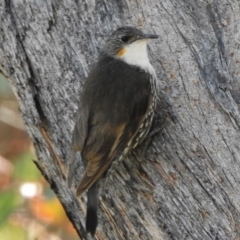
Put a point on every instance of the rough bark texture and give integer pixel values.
(187, 187)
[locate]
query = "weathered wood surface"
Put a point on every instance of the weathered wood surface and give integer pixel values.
(192, 167)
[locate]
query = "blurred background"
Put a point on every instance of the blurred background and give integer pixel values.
(29, 210)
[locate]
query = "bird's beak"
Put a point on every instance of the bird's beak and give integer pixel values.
(148, 36)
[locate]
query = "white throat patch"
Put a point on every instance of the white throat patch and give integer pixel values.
(136, 54)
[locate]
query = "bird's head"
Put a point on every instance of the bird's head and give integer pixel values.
(127, 43)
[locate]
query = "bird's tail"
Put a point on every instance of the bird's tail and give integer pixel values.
(92, 202)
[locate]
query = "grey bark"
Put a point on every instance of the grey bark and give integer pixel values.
(187, 185)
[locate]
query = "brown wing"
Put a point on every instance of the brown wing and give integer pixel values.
(105, 143)
(116, 106)
(100, 152)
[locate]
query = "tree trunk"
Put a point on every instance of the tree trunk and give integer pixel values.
(186, 186)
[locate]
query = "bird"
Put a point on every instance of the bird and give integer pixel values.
(116, 110)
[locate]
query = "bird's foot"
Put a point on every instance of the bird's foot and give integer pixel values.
(138, 186)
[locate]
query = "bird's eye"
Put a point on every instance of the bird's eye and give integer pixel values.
(125, 38)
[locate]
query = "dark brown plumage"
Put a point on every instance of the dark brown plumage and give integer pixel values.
(115, 113)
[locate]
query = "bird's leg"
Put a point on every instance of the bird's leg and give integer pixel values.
(108, 176)
(135, 181)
